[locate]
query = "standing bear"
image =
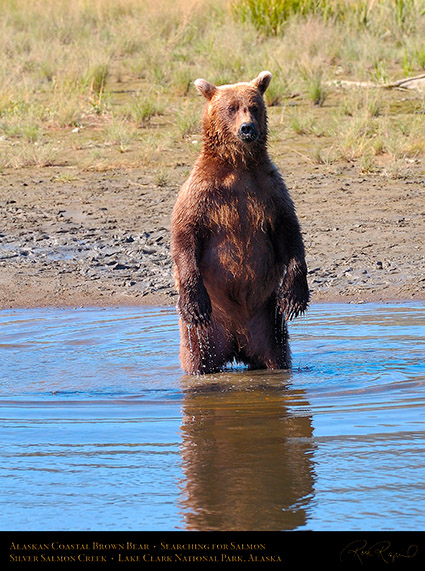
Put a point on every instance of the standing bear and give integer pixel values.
(236, 243)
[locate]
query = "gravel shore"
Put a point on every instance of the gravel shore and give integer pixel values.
(81, 239)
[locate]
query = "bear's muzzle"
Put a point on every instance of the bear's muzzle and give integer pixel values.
(248, 133)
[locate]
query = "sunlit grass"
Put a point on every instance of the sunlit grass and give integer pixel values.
(109, 83)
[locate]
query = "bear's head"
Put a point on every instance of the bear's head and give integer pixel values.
(235, 118)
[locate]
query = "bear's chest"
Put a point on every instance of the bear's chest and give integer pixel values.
(240, 216)
(239, 245)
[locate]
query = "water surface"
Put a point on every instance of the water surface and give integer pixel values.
(101, 429)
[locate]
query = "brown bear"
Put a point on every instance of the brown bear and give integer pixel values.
(235, 240)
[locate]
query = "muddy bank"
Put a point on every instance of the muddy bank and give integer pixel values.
(72, 238)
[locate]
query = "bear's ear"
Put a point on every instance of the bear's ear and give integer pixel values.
(262, 81)
(205, 88)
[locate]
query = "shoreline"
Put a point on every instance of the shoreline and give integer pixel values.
(103, 239)
(162, 302)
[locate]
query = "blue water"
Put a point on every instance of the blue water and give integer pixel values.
(100, 429)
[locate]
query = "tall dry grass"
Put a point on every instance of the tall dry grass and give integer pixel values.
(109, 83)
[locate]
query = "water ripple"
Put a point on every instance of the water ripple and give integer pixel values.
(101, 429)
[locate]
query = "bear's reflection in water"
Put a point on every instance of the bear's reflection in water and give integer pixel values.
(247, 460)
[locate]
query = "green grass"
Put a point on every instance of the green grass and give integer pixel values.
(122, 72)
(270, 17)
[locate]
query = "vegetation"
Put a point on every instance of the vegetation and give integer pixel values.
(99, 84)
(271, 16)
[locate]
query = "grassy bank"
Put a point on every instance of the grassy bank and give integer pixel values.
(99, 84)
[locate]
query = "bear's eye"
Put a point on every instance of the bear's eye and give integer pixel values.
(233, 108)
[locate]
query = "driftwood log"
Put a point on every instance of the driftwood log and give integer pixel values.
(417, 82)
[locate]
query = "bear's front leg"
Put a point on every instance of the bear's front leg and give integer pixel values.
(293, 295)
(194, 304)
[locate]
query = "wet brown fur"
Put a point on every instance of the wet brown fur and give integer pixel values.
(236, 243)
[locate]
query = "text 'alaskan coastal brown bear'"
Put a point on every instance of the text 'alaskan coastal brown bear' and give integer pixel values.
(236, 242)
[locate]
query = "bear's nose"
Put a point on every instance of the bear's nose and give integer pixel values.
(247, 132)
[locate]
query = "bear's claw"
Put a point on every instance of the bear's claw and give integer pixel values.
(195, 307)
(294, 295)
(294, 309)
